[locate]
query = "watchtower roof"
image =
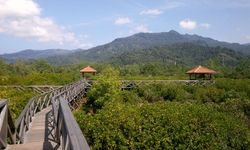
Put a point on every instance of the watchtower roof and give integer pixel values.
(88, 69)
(201, 69)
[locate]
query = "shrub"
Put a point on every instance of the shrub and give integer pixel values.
(210, 94)
(106, 87)
(16, 99)
(239, 85)
(163, 125)
(163, 91)
(237, 107)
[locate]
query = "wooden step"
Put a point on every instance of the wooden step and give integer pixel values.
(38, 131)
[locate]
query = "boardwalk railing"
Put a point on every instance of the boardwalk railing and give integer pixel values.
(130, 84)
(34, 105)
(65, 125)
(66, 128)
(36, 88)
(7, 127)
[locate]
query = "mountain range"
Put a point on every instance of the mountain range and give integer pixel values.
(30, 54)
(166, 47)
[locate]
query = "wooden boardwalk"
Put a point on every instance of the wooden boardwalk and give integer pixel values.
(46, 122)
(39, 136)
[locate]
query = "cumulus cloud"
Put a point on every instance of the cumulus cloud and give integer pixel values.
(139, 28)
(152, 12)
(191, 24)
(19, 8)
(188, 24)
(22, 18)
(122, 21)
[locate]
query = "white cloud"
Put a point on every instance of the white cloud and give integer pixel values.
(153, 12)
(139, 28)
(122, 21)
(191, 24)
(160, 10)
(188, 24)
(14, 8)
(22, 18)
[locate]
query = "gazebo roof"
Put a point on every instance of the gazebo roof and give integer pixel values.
(88, 69)
(201, 69)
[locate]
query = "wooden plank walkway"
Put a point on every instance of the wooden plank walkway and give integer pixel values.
(39, 135)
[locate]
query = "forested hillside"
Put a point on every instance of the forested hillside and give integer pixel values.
(168, 47)
(185, 54)
(34, 54)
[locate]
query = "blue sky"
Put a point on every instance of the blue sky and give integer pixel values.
(71, 24)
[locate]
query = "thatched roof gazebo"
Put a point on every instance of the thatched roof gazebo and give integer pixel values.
(200, 72)
(88, 69)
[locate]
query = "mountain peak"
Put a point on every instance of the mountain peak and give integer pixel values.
(173, 32)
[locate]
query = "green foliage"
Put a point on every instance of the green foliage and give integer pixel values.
(42, 66)
(223, 90)
(153, 71)
(163, 91)
(236, 107)
(155, 116)
(163, 125)
(241, 86)
(242, 70)
(166, 116)
(38, 72)
(179, 53)
(106, 87)
(210, 94)
(16, 99)
(41, 72)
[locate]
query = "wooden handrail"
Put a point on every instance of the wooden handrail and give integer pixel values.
(66, 128)
(7, 127)
(71, 132)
